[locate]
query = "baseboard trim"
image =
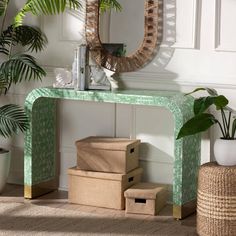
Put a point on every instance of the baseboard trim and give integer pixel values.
(16, 177)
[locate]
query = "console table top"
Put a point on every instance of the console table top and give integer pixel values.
(170, 99)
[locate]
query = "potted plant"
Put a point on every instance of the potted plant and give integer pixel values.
(16, 67)
(225, 146)
(12, 119)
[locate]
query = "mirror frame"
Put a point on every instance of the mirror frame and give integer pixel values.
(153, 32)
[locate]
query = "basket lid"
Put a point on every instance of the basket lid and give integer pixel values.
(97, 142)
(144, 190)
(104, 175)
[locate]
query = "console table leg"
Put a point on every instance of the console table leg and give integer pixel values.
(186, 165)
(182, 211)
(40, 189)
(40, 163)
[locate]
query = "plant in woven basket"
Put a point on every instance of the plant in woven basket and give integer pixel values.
(203, 120)
(17, 66)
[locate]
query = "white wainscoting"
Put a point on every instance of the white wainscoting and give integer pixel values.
(187, 23)
(80, 119)
(225, 31)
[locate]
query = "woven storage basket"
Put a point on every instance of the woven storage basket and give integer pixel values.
(216, 201)
(114, 155)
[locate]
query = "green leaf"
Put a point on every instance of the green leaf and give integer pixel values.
(233, 128)
(4, 50)
(197, 124)
(3, 85)
(5, 42)
(45, 7)
(25, 35)
(220, 102)
(196, 90)
(211, 92)
(202, 104)
(12, 119)
(20, 67)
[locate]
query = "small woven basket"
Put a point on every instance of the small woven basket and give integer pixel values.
(216, 200)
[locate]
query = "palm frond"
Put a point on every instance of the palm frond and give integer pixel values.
(5, 42)
(3, 49)
(26, 35)
(3, 6)
(110, 4)
(45, 7)
(12, 119)
(73, 4)
(3, 85)
(20, 67)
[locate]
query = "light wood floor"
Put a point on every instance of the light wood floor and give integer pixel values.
(58, 199)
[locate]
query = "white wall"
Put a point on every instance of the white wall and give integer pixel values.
(198, 50)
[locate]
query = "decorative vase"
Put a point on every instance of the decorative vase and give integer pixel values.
(4, 167)
(225, 152)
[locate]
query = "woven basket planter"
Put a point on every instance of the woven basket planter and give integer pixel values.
(216, 201)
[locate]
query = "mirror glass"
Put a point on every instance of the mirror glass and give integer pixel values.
(140, 38)
(122, 32)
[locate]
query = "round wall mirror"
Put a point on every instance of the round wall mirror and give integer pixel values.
(127, 40)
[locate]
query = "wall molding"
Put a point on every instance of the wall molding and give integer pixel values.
(195, 25)
(165, 80)
(152, 81)
(219, 46)
(217, 23)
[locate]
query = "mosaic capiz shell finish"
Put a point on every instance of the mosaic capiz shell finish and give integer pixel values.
(40, 140)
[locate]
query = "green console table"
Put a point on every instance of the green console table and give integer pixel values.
(40, 161)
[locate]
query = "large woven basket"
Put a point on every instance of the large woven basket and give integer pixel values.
(216, 201)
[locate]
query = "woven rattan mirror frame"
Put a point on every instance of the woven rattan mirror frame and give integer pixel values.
(151, 41)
